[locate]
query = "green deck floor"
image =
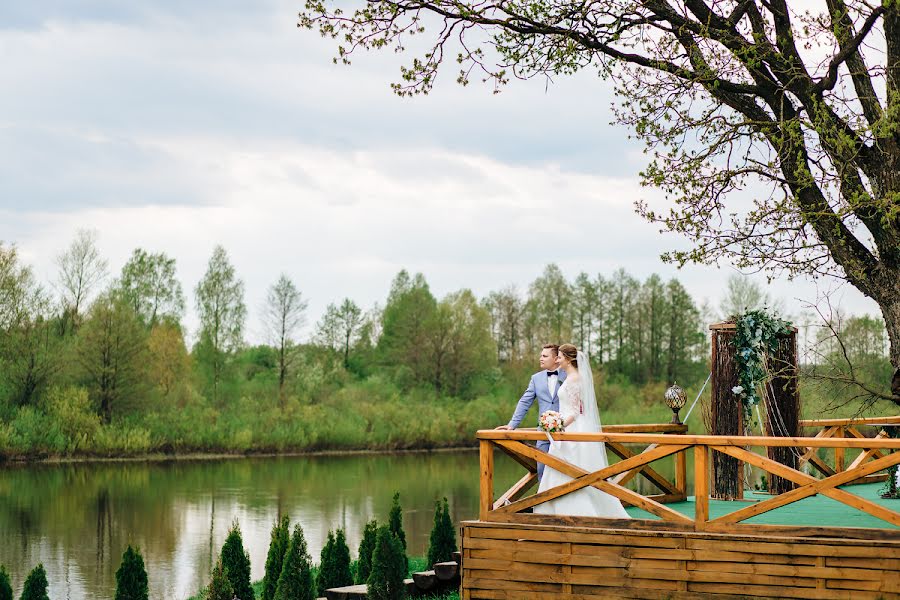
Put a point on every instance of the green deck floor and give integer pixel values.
(813, 511)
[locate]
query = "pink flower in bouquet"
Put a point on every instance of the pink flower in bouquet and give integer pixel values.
(551, 422)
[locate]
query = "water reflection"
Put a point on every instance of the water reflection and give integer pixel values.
(78, 518)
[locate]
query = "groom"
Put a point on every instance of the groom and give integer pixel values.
(543, 385)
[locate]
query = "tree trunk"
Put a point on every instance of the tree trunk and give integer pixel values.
(891, 312)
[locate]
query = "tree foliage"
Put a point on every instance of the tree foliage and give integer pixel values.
(278, 547)
(236, 562)
(81, 269)
(111, 351)
(219, 587)
(442, 541)
(131, 577)
(148, 282)
(385, 582)
(284, 313)
(6, 592)
(35, 587)
(296, 580)
(366, 548)
(802, 107)
(222, 312)
(341, 328)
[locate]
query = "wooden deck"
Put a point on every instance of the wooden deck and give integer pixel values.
(794, 545)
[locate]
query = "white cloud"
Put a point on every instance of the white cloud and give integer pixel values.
(172, 130)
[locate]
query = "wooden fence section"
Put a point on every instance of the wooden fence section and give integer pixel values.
(880, 453)
(513, 561)
(511, 552)
(846, 428)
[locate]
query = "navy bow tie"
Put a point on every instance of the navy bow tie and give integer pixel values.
(549, 373)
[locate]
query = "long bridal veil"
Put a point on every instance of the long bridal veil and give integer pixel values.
(591, 455)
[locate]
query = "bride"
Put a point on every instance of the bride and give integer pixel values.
(578, 408)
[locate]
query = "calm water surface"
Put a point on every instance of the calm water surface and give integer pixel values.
(77, 519)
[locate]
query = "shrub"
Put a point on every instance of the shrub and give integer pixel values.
(442, 543)
(237, 563)
(366, 548)
(296, 580)
(341, 558)
(278, 547)
(326, 568)
(6, 592)
(334, 566)
(395, 522)
(36, 585)
(219, 587)
(388, 567)
(131, 578)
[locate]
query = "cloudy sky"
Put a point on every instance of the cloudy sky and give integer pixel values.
(177, 126)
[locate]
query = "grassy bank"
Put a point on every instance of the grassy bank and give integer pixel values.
(368, 415)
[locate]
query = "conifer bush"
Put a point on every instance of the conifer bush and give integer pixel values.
(343, 575)
(236, 563)
(334, 565)
(395, 522)
(278, 547)
(131, 578)
(366, 548)
(6, 592)
(36, 585)
(219, 587)
(296, 580)
(442, 543)
(388, 567)
(326, 567)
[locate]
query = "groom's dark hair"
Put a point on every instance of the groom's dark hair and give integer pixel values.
(554, 347)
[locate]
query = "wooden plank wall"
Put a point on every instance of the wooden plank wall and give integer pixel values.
(502, 560)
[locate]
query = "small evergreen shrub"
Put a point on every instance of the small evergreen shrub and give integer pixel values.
(442, 543)
(343, 575)
(326, 568)
(6, 592)
(131, 578)
(278, 547)
(388, 567)
(36, 585)
(296, 580)
(366, 548)
(334, 565)
(395, 522)
(219, 587)
(236, 563)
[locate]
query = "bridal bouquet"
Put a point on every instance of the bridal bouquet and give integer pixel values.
(551, 422)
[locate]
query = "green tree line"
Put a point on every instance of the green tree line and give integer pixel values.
(91, 349)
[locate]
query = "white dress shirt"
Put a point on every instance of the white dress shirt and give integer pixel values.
(552, 382)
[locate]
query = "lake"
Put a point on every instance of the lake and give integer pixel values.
(77, 518)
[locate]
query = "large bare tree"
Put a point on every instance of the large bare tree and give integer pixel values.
(799, 104)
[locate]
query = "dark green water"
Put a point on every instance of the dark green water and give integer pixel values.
(78, 518)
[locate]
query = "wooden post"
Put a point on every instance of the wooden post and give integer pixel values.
(726, 414)
(681, 473)
(701, 487)
(782, 406)
(487, 479)
(839, 452)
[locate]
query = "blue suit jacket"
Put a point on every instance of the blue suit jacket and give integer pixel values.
(538, 388)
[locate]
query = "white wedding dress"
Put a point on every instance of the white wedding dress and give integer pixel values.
(578, 400)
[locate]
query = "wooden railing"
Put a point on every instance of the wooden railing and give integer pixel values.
(877, 455)
(846, 428)
(672, 491)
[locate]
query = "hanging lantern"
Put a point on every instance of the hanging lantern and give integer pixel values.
(675, 399)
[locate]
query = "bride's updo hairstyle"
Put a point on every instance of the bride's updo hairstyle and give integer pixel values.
(570, 352)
